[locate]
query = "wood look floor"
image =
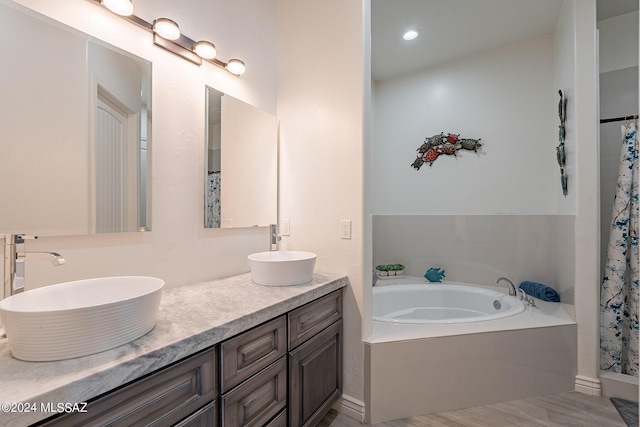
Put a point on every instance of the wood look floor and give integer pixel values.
(571, 409)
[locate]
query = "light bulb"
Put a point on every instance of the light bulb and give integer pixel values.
(119, 7)
(235, 66)
(166, 28)
(205, 49)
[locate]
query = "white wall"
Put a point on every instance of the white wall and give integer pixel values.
(565, 80)
(320, 107)
(618, 40)
(478, 249)
(32, 152)
(178, 249)
(587, 274)
(505, 96)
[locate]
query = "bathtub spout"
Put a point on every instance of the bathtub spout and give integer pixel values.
(512, 289)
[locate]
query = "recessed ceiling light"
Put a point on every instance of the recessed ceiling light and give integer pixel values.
(410, 35)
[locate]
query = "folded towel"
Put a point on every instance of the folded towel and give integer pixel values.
(540, 291)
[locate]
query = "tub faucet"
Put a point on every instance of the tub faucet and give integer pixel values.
(14, 259)
(526, 298)
(512, 289)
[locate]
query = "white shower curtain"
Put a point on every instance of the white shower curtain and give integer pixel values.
(619, 293)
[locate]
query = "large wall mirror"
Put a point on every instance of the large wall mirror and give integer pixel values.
(75, 119)
(241, 173)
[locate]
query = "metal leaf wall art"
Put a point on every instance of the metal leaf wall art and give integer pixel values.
(562, 132)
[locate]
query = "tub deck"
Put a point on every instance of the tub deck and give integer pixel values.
(545, 314)
(418, 369)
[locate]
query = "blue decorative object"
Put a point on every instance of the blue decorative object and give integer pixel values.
(434, 275)
(540, 291)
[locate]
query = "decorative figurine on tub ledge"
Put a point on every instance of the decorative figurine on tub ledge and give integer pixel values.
(434, 275)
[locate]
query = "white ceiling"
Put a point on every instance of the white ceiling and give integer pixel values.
(453, 28)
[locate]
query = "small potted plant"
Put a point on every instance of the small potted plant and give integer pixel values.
(382, 270)
(398, 269)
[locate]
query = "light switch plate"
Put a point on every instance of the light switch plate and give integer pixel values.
(345, 229)
(286, 227)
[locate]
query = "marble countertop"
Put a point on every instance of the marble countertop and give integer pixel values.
(191, 318)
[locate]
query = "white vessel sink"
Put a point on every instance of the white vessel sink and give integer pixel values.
(79, 318)
(282, 268)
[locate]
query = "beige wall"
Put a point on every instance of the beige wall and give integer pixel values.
(178, 250)
(320, 106)
(31, 153)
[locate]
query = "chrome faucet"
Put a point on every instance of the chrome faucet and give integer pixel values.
(14, 259)
(526, 298)
(512, 289)
(274, 237)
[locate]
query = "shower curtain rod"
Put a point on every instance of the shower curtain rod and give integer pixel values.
(619, 119)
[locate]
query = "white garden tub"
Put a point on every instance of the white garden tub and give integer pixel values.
(441, 303)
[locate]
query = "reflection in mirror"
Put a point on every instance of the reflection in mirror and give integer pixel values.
(76, 121)
(241, 164)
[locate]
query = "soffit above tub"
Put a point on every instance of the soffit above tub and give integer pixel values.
(451, 29)
(606, 9)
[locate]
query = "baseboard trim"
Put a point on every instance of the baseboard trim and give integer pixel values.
(588, 385)
(350, 407)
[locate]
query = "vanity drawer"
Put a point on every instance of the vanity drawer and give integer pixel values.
(280, 420)
(251, 351)
(161, 399)
(311, 319)
(258, 400)
(205, 417)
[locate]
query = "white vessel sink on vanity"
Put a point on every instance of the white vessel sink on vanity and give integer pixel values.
(79, 318)
(282, 268)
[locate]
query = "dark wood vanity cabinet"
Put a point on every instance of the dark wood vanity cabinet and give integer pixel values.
(182, 394)
(285, 372)
(253, 374)
(315, 359)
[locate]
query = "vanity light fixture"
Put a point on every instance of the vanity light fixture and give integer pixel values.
(205, 49)
(166, 34)
(235, 66)
(166, 28)
(119, 7)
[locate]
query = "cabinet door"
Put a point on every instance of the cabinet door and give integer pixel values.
(257, 400)
(315, 377)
